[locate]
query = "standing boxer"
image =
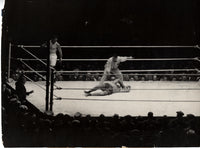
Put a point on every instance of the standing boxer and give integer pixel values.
(111, 67)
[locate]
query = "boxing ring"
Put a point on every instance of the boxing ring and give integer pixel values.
(159, 97)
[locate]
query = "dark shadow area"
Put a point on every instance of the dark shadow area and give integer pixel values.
(25, 125)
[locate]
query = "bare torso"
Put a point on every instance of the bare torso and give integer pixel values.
(53, 47)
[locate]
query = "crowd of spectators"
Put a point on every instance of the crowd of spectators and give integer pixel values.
(25, 125)
(127, 77)
(77, 75)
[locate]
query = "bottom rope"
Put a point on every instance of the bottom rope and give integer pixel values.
(60, 88)
(83, 99)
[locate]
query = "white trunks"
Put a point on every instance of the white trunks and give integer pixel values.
(53, 60)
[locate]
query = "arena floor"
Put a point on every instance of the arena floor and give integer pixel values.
(160, 97)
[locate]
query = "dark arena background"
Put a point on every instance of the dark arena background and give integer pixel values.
(163, 105)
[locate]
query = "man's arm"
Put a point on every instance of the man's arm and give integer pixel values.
(123, 59)
(30, 92)
(108, 66)
(60, 52)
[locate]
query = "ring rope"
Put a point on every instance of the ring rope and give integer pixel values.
(147, 70)
(34, 82)
(38, 85)
(139, 74)
(57, 87)
(139, 59)
(169, 46)
(39, 60)
(83, 99)
(138, 88)
(34, 56)
(33, 70)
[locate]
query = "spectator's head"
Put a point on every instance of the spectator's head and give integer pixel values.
(143, 78)
(39, 79)
(179, 114)
(59, 116)
(165, 78)
(21, 79)
(15, 101)
(150, 115)
(15, 76)
(184, 78)
(131, 79)
(116, 117)
(126, 77)
(154, 77)
(23, 108)
(77, 115)
(102, 117)
(136, 77)
(67, 118)
(35, 78)
(128, 118)
(88, 117)
(180, 78)
(190, 116)
(174, 79)
(99, 78)
(75, 123)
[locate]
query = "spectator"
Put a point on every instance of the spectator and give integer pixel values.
(39, 79)
(131, 78)
(143, 78)
(35, 78)
(136, 78)
(165, 78)
(155, 78)
(149, 77)
(174, 79)
(126, 77)
(184, 78)
(88, 76)
(59, 76)
(20, 88)
(15, 76)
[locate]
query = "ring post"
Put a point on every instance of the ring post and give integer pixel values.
(51, 91)
(47, 77)
(9, 59)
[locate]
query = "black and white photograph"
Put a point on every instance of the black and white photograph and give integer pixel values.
(100, 73)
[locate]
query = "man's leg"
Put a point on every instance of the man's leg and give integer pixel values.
(95, 88)
(119, 76)
(102, 93)
(103, 78)
(53, 61)
(101, 87)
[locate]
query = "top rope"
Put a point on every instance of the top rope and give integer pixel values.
(169, 46)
